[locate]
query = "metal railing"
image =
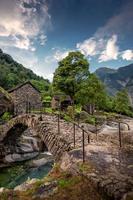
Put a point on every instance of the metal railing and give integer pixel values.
(119, 129)
(74, 134)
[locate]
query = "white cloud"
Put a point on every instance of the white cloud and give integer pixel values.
(127, 55)
(111, 50)
(22, 21)
(23, 43)
(49, 76)
(87, 47)
(103, 42)
(59, 55)
(56, 56)
(43, 39)
(51, 61)
(107, 49)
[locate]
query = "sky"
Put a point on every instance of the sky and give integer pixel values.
(40, 33)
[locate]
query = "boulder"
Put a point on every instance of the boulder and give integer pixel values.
(10, 158)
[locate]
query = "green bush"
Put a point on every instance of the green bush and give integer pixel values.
(70, 112)
(84, 115)
(90, 120)
(6, 116)
(67, 118)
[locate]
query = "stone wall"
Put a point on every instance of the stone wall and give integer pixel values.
(25, 98)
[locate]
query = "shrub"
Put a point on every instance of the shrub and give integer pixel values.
(70, 111)
(84, 115)
(90, 120)
(6, 116)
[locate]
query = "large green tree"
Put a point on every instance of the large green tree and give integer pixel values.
(71, 72)
(93, 93)
(121, 102)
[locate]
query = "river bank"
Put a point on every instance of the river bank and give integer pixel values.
(19, 172)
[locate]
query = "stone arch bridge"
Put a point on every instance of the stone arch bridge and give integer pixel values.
(55, 143)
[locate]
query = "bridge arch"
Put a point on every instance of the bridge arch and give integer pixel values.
(54, 143)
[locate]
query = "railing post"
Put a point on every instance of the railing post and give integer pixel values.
(88, 139)
(58, 123)
(74, 134)
(119, 134)
(40, 113)
(96, 127)
(83, 145)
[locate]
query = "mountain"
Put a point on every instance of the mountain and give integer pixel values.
(117, 79)
(12, 73)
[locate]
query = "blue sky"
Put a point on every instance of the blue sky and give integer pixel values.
(39, 33)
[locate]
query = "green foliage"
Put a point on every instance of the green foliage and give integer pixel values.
(78, 108)
(70, 112)
(48, 110)
(92, 92)
(47, 99)
(108, 106)
(71, 72)
(85, 117)
(6, 116)
(64, 183)
(41, 85)
(5, 93)
(90, 120)
(121, 102)
(67, 118)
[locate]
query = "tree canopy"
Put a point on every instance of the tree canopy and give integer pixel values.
(71, 72)
(92, 92)
(121, 102)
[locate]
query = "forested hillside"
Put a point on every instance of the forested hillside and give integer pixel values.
(12, 73)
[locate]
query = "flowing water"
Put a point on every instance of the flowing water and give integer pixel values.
(18, 173)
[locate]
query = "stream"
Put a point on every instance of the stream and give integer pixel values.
(19, 172)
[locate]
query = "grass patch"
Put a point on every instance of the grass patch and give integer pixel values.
(85, 167)
(68, 182)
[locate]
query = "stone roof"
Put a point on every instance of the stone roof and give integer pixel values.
(21, 85)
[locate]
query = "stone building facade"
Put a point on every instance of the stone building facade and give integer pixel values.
(25, 98)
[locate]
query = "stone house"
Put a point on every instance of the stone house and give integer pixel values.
(26, 97)
(6, 103)
(61, 100)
